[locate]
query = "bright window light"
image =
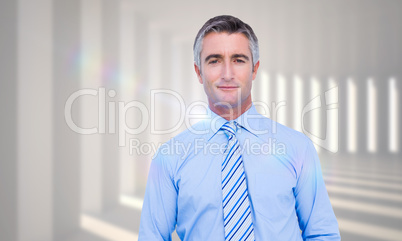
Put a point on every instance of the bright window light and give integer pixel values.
(297, 102)
(393, 117)
(372, 116)
(281, 96)
(351, 116)
(316, 120)
(106, 230)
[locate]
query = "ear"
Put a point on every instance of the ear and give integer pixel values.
(255, 69)
(198, 72)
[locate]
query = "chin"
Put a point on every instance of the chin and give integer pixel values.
(227, 104)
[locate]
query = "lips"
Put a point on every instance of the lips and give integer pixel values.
(228, 87)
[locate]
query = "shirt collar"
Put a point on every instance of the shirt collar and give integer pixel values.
(249, 121)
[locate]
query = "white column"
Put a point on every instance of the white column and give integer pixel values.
(154, 53)
(35, 120)
(263, 86)
(298, 103)
(381, 83)
(154, 72)
(141, 93)
(177, 65)
(92, 110)
(8, 125)
(371, 105)
(351, 116)
(316, 115)
(128, 80)
(189, 84)
(393, 116)
(159, 79)
(282, 103)
(344, 106)
(66, 142)
(171, 103)
(331, 97)
(111, 81)
(398, 115)
(197, 90)
(179, 82)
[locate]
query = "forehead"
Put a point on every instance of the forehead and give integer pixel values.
(225, 43)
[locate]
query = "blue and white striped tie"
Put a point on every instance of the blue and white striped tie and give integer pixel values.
(236, 206)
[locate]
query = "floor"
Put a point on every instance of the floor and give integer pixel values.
(365, 192)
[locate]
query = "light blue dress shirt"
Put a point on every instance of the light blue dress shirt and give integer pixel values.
(287, 193)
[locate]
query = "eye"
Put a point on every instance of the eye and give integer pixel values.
(239, 61)
(214, 61)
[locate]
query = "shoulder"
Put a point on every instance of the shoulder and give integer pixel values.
(289, 134)
(175, 152)
(187, 137)
(178, 145)
(295, 141)
(272, 128)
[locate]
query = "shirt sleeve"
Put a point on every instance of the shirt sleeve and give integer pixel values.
(158, 217)
(317, 220)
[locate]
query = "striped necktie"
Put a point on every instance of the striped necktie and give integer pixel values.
(236, 206)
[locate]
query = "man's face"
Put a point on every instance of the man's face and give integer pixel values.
(226, 69)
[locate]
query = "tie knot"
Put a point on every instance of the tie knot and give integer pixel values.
(230, 128)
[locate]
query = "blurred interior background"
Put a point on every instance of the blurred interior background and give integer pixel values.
(89, 89)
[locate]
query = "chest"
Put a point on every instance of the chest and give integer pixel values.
(270, 178)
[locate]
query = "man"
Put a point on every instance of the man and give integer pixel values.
(233, 182)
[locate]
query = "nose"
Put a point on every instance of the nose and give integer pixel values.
(227, 71)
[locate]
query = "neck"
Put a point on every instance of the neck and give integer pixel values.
(230, 113)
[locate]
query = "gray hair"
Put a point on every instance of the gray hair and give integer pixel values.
(228, 24)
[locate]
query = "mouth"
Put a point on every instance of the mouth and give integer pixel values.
(227, 87)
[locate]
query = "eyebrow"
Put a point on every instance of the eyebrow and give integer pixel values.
(219, 56)
(240, 56)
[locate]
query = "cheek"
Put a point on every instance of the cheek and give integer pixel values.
(211, 73)
(209, 79)
(247, 78)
